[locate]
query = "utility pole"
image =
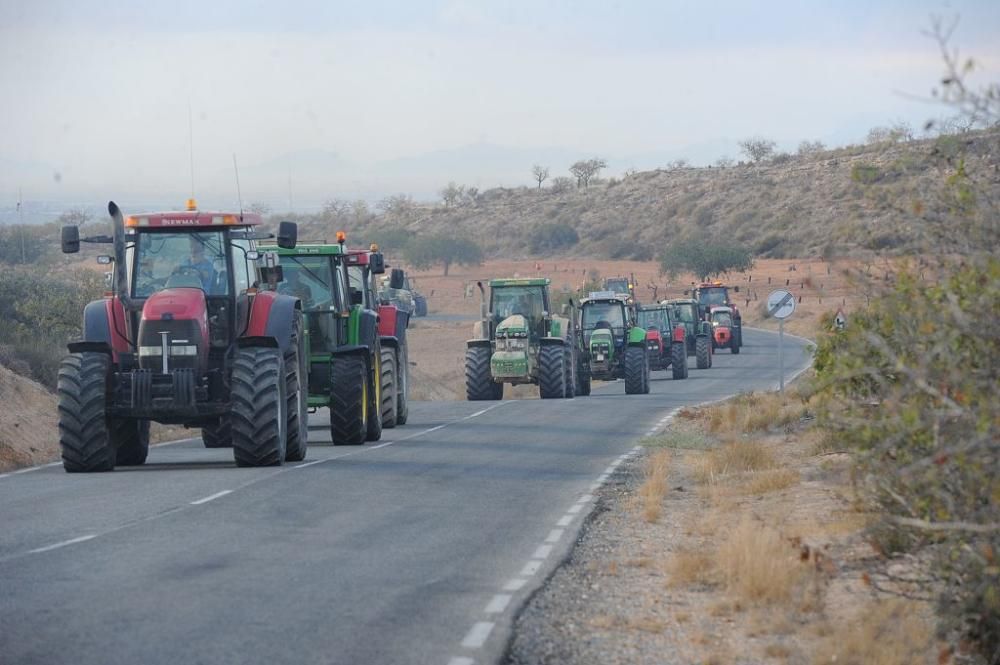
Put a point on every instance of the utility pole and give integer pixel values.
(20, 222)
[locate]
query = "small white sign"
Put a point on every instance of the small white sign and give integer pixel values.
(780, 304)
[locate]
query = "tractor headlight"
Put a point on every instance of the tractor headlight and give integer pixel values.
(517, 344)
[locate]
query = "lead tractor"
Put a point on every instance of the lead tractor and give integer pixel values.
(614, 345)
(698, 333)
(665, 340)
(518, 340)
(185, 337)
(716, 294)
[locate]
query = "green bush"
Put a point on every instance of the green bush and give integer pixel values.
(865, 174)
(551, 237)
(705, 257)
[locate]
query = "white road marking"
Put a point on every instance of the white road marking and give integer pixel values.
(71, 541)
(211, 497)
(302, 466)
(594, 486)
(498, 603)
(477, 635)
(611, 469)
(575, 508)
(541, 553)
(601, 478)
(514, 584)
(585, 498)
(554, 536)
(564, 520)
(530, 568)
(461, 661)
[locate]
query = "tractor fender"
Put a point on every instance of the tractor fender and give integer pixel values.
(679, 334)
(553, 341)
(98, 330)
(271, 315)
(474, 343)
(389, 342)
(367, 328)
(636, 336)
(362, 351)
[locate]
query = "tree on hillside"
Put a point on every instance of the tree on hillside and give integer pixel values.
(561, 184)
(757, 149)
(724, 162)
(444, 249)
(397, 205)
(704, 257)
(586, 170)
(811, 147)
(452, 194)
(540, 174)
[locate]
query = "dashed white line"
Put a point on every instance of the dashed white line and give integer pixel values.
(302, 466)
(541, 552)
(514, 584)
(498, 603)
(595, 486)
(575, 508)
(211, 497)
(477, 635)
(611, 469)
(554, 536)
(71, 541)
(530, 568)
(564, 520)
(461, 661)
(585, 498)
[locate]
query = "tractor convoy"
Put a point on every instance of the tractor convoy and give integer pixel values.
(213, 324)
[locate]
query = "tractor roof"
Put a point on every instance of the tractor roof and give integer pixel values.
(305, 248)
(604, 297)
(191, 219)
(519, 281)
(650, 308)
(713, 285)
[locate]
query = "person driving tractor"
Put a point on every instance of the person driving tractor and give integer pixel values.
(201, 263)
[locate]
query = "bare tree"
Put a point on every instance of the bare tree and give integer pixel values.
(452, 194)
(540, 174)
(757, 149)
(586, 170)
(811, 147)
(561, 184)
(724, 162)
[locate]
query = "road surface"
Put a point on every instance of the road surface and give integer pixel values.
(416, 549)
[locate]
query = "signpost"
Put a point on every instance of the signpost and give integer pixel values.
(780, 305)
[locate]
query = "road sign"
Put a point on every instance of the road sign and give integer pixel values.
(780, 304)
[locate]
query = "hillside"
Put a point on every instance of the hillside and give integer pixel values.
(27, 422)
(834, 202)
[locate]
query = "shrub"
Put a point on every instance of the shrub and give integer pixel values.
(705, 257)
(866, 174)
(551, 237)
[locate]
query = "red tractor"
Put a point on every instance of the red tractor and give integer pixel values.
(185, 338)
(723, 330)
(716, 294)
(666, 342)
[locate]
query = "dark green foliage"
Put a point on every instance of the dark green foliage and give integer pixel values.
(39, 313)
(22, 243)
(865, 174)
(552, 237)
(705, 257)
(425, 251)
(390, 239)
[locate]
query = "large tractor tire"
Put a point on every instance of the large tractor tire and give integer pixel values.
(390, 404)
(259, 413)
(479, 384)
(678, 360)
(419, 306)
(297, 394)
(704, 352)
(551, 372)
(733, 345)
(349, 401)
(131, 438)
(583, 381)
(374, 429)
(570, 363)
(402, 387)
(636, 370)
(219, 435)
(84, 435)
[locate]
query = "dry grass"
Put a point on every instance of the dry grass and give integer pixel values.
(688, 567)
(654, 487)
(771, 480)
(753, 412)
(757, 564)
(887, 632)
(736, 457)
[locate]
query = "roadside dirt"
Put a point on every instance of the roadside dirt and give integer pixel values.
(28, 433)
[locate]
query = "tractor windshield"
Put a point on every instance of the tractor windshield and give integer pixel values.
(193, 259)
(722, 319)
(713, 296)
(618, 286)
(529, 301)
(604, 315)
(654, 319)
(685, 312)
(310, 279)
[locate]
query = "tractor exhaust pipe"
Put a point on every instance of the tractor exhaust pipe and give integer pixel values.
(121, 274)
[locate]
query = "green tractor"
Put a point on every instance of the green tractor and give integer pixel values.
(343, 348)
(614, 345)
(698, 332)
(518, 340)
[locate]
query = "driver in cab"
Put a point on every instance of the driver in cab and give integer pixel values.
(200, 263)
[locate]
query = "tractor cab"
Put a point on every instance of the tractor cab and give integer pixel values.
(623, 286)
(723, 328)
(614, 346)
(665, 339)
(712, 294)
(608, 311)
(519, 308)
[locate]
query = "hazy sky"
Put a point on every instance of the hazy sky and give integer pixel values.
(326, 95)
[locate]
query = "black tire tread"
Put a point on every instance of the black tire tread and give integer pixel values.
(551, 372)
(479, 384)
(296, 380)
(258, 407)
(347, 394)
(636, 363)
(390, 404)
(83, 427)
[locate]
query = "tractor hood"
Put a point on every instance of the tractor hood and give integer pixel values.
(514, 325)
(173, 332)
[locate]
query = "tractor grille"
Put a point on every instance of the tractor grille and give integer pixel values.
(182, 344)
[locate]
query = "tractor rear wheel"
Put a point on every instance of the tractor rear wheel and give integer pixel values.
(583, 381)
(131, 438)
(479, 384)
(551, 372)
(374, 430)
(570, 363)
(733, 345)
(636, 369)
(402, 387)
(678, 360)
(297, 393)
(704, 352)
(219, 435)
(348, 401)
(84, 433)
(390, 406)
(259, 413)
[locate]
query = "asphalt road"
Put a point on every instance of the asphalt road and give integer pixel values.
(418, 549)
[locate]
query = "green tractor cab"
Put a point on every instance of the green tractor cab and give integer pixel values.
(614, 346)
(698, 332)
(518, 340)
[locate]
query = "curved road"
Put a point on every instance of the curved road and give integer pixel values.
(417, 549)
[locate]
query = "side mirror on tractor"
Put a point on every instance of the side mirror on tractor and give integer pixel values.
(70, 239)
(376, 262)
(396, 278)
(288, 234)
(736, 289)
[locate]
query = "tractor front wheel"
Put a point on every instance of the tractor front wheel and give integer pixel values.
(259, 413)
(390, 404)
(678, 360)
(733, 345)
(84, 432)
(551, 372)
(348, 401)
(479, 384)
(296, 391)
(583, 381)
(402, 387)
(636, 370)
(570, 363)
(704, 352)
(219, 435)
